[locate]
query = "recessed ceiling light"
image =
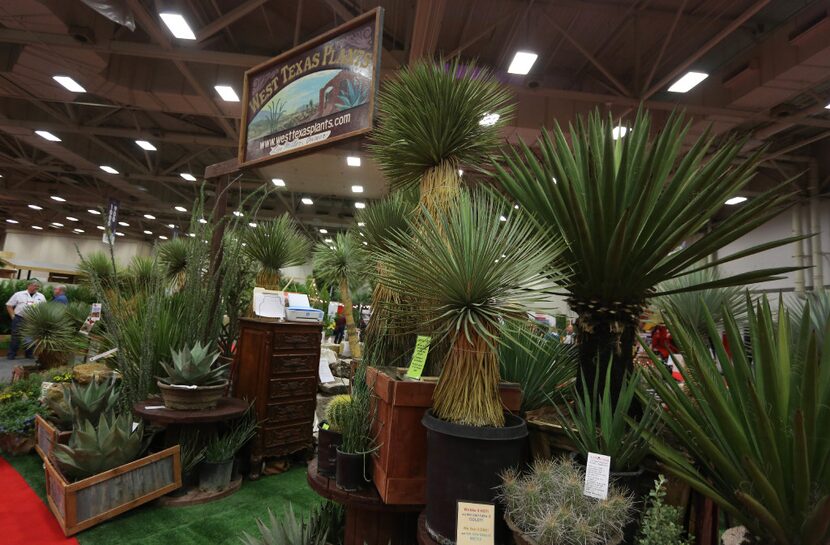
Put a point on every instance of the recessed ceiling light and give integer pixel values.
(71, 218)
(689, 81)
(306, 200)
(180, 208)
(149, 216)
(616, 133)
(202, 220)
(361, 224)
(365, 243)
(57, 224)
(188, 176)
(170, 225)
(237, 213)
(252, 224)
(48, 136)
(79, 231)
(227, 93)
(100, 227)
(94, 212)
(123, 224)
(328, 240)
(145, 145)
(162, 237)
(353, 161)
(502, 218)
(191, 235)
(56, 198)
(360, 205)
(146, 232)
(108, 169)
(37, 227)
(324, 231)
(279, 182)
(735, 200)
(460, 172)
(12, 221)
(178, 26)
(357, 189)
(361, 234)
(827, 107)
(488, 119)
(69, 84)
(119, 234)
(516, 206)
(35, 207)
(522, 62)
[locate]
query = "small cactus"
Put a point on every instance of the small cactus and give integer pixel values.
(336, 410)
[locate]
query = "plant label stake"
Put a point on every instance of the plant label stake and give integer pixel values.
(419, 357)
(475, 524)
(596, 476)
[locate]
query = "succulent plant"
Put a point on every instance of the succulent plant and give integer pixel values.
(92, 449)
(290, 530)
(335, 412)
(85, 402)
(194, 367)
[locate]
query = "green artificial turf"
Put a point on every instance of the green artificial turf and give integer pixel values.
(217, 523)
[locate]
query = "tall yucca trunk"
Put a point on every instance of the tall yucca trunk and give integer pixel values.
(387, 340)
(354, 340)
(268, 279)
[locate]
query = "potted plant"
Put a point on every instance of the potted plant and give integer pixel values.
(662, 523)
(630, 210)
(315, 529)
(193, 382)
(17, 424)
(217, 468)
(753, 423)
(489, 273)
(341, 263)
(274, 244)
(329, 435)
(353, 470)
(51, 332)
(546, 506)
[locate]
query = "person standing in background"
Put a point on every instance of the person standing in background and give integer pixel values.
(59, 295)
(339, 326)
(16, 307)
(570, 336)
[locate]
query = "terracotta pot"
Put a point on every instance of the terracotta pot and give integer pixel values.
(185, 399)
(521, 539)
(15, 445)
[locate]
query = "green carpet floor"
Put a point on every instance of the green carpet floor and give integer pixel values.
(217, 523)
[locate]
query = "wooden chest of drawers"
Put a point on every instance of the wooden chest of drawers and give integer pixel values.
(276, 368)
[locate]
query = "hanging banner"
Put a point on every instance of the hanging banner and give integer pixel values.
(111, 223)
(316, 94)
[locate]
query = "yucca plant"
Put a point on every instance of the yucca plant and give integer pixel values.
(142, 272)
(544, 366)
(97, 447)
(757, 428)
(78, 312)
(819, 303)
(87, 402)
(628, 209)
(100, 266)
(194, 366)
(275, 244)
(355, 418)
(289, 530)
(342, 263)
(473, 274)
(50, 331)
(174, 256)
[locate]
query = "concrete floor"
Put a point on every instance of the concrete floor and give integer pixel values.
(7, 365)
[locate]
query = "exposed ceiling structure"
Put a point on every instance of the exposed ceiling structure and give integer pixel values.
(768, 63)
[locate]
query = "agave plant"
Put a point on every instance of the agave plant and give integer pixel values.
(222, 447)
(544, 366)
(50, 331)
(489, 274)
(353, 95)
(290, 530)
(757, 427)
(97, 447)
(341, 263)
(628, 210)
(275, 244)
(194, 366)
(87, 402)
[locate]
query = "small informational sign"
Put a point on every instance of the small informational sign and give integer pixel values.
(476, 523)
(94, 316)
(419, 357)
(597, 473)
(315, 94)
(324, 371)
(103, 355)
(112, 222)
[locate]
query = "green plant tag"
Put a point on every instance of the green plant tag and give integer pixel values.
(325, 426)
(419, 357)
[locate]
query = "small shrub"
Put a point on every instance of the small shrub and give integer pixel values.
(661, 522)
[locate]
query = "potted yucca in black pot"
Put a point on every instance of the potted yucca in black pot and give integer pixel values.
(193, 381)
(354, 461)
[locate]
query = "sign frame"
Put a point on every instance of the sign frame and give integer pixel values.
(377, 15)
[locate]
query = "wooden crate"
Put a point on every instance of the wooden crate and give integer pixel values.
(83, 504)
(46, 435)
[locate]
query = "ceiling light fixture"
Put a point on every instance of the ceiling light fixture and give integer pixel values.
(94, 212)
(11, 221)
(57, 224)
(178, 26)
(488, 119)
(170, 225)
(191, 235)
(79, 231)
(361, 224)
(252, 224)
(56, 198)
(123, 224)
(149, 216)
(108, 169)
(35, 207)
(48, 136)
(279, 182)
(119, 234)
(69, 84)
(180, 208)
(227, 93)
(146, 232)
(100, 227)
(357, 189)
(735, 200)
(461, 172)
(307, 201)
(353, 161)
(162, 237)
(70, 218)
(618, 132)
(37, 227)
(360, 205)
(202, 220)
(328, 240)
(522, 62)
(689, 81)
(145, 145)
(502, 218)
(188, 176)
(238, 214)
(324, 231)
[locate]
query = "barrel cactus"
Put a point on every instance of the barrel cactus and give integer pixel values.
(194, 367)
(336, 410)
(92, 449)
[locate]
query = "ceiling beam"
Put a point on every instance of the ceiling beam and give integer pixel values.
(228, 19)
(346, 14)
(426, 28)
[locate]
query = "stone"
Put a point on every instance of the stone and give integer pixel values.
(341, 368)
(339, 386)
(331, 346)
(84, 373)
(734, 536)
(53, 390)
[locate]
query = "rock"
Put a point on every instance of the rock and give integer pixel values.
(53, 390)
(331, 346)
(734, 536)
(341, 368)
(339, 386)
(84, 373)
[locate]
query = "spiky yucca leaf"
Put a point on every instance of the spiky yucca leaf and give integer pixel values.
(49, 328)
(142, 272)
(445, 127)
(95, 448)
(275, 244)
(687, 304)
(471, 274)
(174, 256)
(101, 266)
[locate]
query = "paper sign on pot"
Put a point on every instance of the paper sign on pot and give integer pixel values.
(475, 524)
(419, 357)
(597, 472)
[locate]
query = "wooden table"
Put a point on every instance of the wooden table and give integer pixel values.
(369, 521)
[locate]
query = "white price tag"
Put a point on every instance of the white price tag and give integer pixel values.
(597, 473)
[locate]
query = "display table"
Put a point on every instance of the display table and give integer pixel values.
(369, 521)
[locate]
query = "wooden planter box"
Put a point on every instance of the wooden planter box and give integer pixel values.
(83, 504)
(47, 435)
(400, 461)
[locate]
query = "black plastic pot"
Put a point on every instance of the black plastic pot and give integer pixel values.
(463, 464)
(638, 483)
(354, 471)
(327, 443)
(215, 477)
